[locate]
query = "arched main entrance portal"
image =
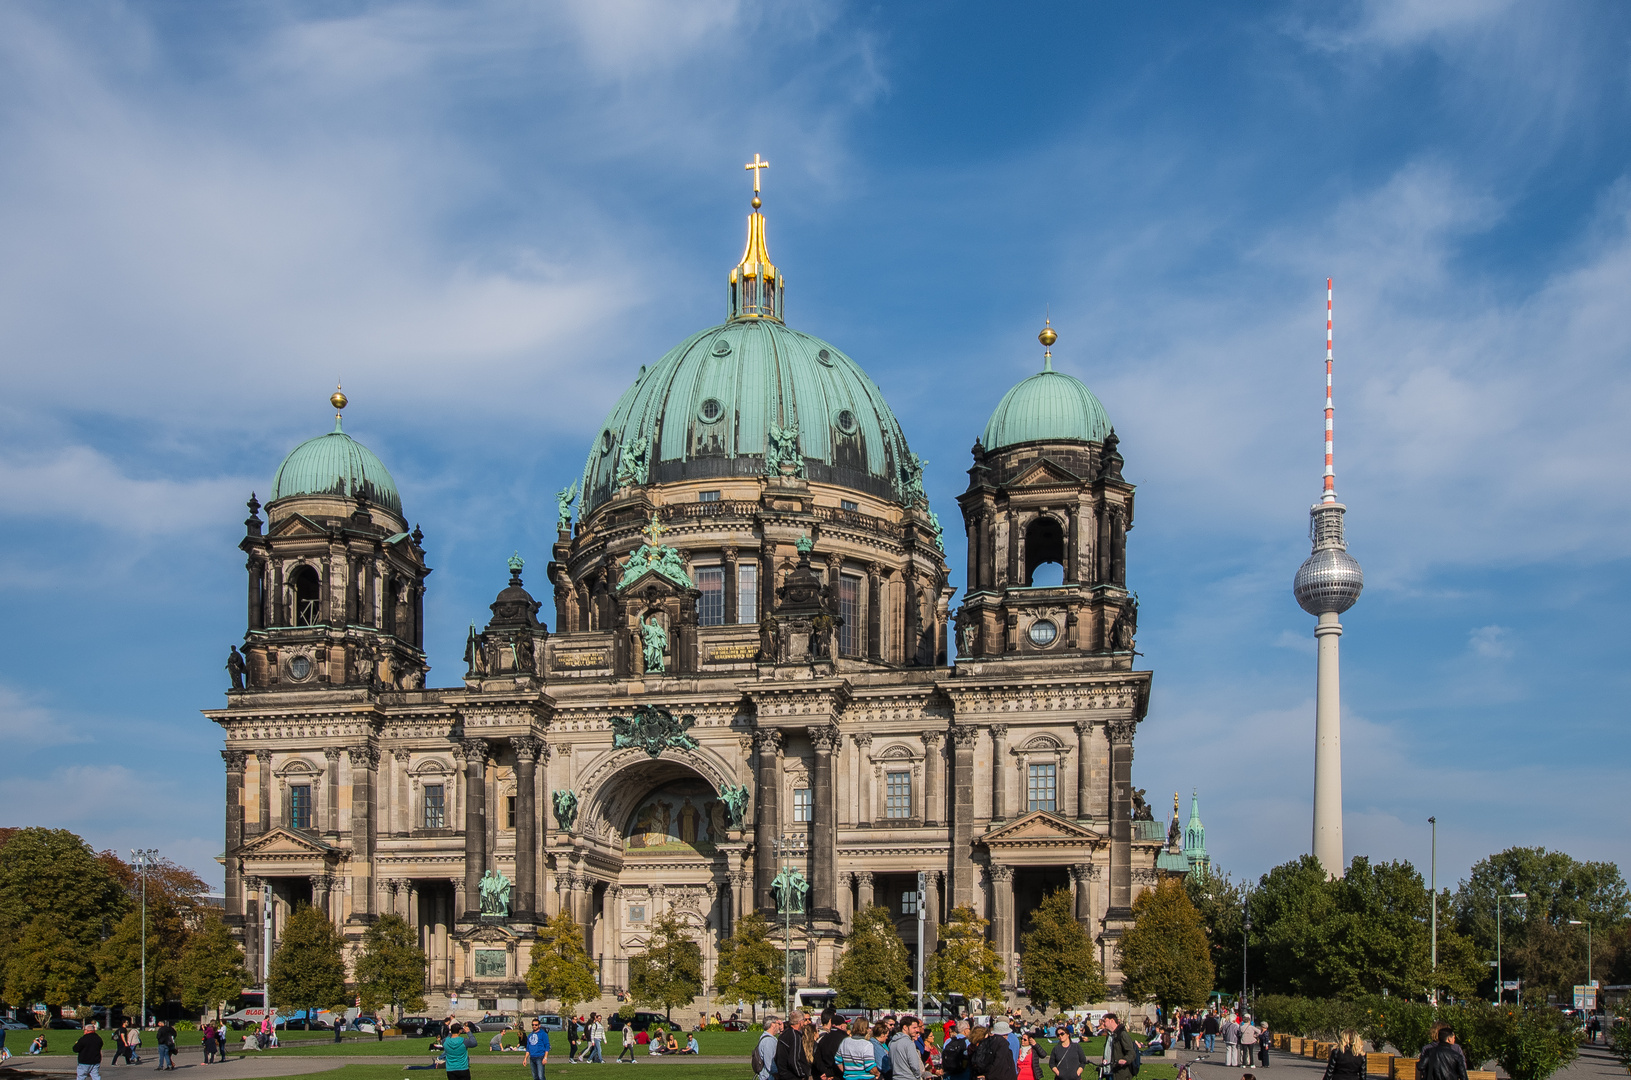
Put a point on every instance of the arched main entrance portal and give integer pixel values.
(656, 840)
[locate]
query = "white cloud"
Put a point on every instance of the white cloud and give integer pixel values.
(80, 485)
(27, 723)
(1490, 643)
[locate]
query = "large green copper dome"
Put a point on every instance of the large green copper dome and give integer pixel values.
(707, 407)
(1050, 406)
(336, 464)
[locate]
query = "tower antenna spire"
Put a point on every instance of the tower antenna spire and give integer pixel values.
(1330, 493)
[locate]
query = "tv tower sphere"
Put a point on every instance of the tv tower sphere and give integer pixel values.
(1330, 579)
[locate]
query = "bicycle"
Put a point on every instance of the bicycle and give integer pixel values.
(1183, 1070)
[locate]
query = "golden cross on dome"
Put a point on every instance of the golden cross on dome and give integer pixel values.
(654, 530)
(754, 166)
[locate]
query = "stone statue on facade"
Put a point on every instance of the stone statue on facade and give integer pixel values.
(653, 728)
(1126, 626)
(1142, 811)
(564, 499)
(235, 668)
(911, 480)
(939, 533)
(474, 660)
(782, 455)
(790, 889)
(653, 644)
(566, 808)
(495, 893)
(633, 463)
(735, 798)
(770, 643)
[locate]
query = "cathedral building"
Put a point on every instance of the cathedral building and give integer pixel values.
(750, 689)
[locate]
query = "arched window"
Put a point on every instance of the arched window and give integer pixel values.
(1044, 548)
(308, 593)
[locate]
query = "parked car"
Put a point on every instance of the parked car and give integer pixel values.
(301, 1023)
(551, 1022)
(496, 1021)
(59, 1024)
(418, 1026)
(643, 1021)
(13, 1025)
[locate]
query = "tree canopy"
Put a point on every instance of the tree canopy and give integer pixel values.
(668, 972)
(749, 967)
(562, 968)
(308, 968)
(873, 972)
(58, 901)
(1059, 966)
(1164, 956)
(965, 963)
(212, 968)
(390, 970)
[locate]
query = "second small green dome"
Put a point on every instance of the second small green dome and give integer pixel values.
(338, 465)
(1050, 406)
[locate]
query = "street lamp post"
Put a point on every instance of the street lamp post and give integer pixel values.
(922, 914)
(786, 887)
(1587, 925)
(1245, 948)
(1500, 978)
(143, 858)
(1433, 821)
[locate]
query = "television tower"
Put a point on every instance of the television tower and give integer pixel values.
(1327, 584)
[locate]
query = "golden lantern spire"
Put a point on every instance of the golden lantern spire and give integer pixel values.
(338, 400)
(755, 284)
(1047, 337)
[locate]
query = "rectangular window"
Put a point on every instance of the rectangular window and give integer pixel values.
(898, 792)
(908, 903)
(846, 504)
(747, 593)
(711, 608)
(300, 806)
(509, 811)
(435, 806)
(801, 804)
(707, 496)
(1042, 787)
(849, 609)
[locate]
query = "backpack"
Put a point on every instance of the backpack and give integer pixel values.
(1136, 1060)
(980, 1060)
(758, 1060)
(954, 1055)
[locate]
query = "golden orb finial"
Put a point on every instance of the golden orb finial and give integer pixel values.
(1047, 337)
(338, 398)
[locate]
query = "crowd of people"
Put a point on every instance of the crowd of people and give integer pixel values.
(831, 1047)
(1245, 1042)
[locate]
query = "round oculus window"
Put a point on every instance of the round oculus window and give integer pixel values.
(846, 422)
(722, 347)
(825, 357)
(1043, 632)
(711, 410)
(299, 667)
(606, 441)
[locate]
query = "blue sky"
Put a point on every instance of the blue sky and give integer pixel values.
(486, 216)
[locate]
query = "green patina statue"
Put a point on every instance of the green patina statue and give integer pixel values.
(782, 456)
(633, 464)
(790, 888)
(566, 808)
(655, 555)
(804, 545)
(653, 729)
(735, 798)
(911, 481)
(653, 644)
(939, 533)
(564, 499)
(495, 893)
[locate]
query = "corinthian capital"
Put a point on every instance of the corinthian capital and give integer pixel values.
(1121, 731)
(965, 735)
(234, 759)
(475, 751)
(365, 756)
(767, 740)
(527, 748)
(825, 737)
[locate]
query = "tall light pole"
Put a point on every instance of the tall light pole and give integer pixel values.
(786, 885)
(143, 858)
(1327, 584)
(1587, 925)
(922, 914)
(1500, 978)
(1433, 821)
(1245, 948)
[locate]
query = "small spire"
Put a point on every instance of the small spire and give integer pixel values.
(1330, 493)
(516, 563)
(755, 284)
(1047, 337)
(338, 400)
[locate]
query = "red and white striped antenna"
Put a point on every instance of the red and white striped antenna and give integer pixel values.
(1330, 494)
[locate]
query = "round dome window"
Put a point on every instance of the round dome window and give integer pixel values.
(722, 347)
(606, 441)
(846, 422)
(825, 357)
(711, 410)
(299, 668)
(1043, 632)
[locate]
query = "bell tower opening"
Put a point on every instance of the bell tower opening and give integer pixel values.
(1044, 553)
(308, 593)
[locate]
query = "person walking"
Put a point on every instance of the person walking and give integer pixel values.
(628, 1043)
(905, 1060)
(166, 1038)
(121, 1045)
(1209, 1030)
(597, 1039)
(208, 1042)
(792, 1062)
(1345, 1061)
(764, 1054)
(537, 1045)
(88, 1055)
(573, 1029)
(1120, 1051)
(1066, 1057)
(1231, 1042)
(1444, 1060)
(832, 1036)
(854, 1057)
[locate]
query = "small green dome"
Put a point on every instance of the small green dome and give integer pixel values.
(1050, 406)
(706, 409)
(336, 464)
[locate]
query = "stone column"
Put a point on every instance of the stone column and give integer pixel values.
(364, 760)
(319, 893)
(413, 917)
(401, 806)
(999, 773)
(933, 765)
(1002, 907)
(765, 799)
(331, 789)
(863, 777)
(824, 836)
(874, 611)
(1084, 765)
(1084, 875)
(1121, 818)
(234, 903)
(732, 601)
(767, 578)
(263, 788)
(931, 904)
(612, 947)
(963, 738)
(527, 749)
(863, 890)
(475, 821)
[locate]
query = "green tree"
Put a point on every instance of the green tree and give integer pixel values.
(119, 966)
(561, 965)
(1059, 966)
(212, 969)
(1164, 956)
(750, 966)
(964, 963)
(873, 972)
(391, 967)
(52, 874)
(1537, 1043)
(668, 972)
(1219, 902)
(308, 968)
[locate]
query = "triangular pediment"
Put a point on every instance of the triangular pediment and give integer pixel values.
(645, 583)
(1040, 828)
(1044, 472)
(489, 933)
(286, 843)
(297, 525)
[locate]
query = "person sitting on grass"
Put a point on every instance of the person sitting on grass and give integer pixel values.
(38, 1046)
(691, 1046)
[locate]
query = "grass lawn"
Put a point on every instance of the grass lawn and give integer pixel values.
(566, 1072)
(717, 1043)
